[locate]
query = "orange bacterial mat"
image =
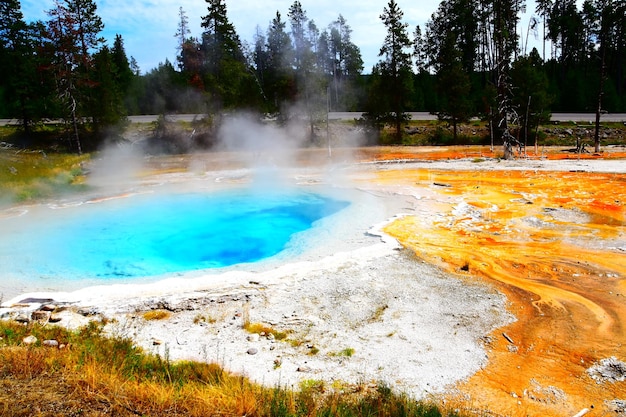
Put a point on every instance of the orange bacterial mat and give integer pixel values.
(555, 244)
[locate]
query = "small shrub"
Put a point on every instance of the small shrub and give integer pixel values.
(347, 352)
(378, 313)
(200, 318)
(312, 385)
(440, 136)
(260, 328)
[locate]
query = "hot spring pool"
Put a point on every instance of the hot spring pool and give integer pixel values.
(152, 234)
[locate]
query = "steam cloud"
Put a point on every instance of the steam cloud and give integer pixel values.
(116, 165)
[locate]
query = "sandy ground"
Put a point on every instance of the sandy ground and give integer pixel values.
(357, 308)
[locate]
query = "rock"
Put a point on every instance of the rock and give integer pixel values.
(48, 307)
(54, 318)
(157, 342)
(87, 311)
(29, 340)
(39, 315)
(303, 369)
(50, 343)
(252, 351)
(31, 300)
(254, 337)
(22, 318)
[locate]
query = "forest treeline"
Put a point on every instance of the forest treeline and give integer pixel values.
(470, 59)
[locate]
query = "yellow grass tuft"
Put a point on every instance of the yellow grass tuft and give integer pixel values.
(260, 328)
(156, 315)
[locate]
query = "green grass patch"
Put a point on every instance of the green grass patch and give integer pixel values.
(27, 176)
(347, 352)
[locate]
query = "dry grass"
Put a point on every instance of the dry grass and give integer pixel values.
(262, 329)
(156, 315)
(97, 376)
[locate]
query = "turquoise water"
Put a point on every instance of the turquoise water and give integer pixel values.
(149, 235)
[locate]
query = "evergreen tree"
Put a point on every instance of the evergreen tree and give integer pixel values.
(108, 104)
(13, 41)
(278, 75)
(422, 62)
(505, 45)
(261, 61)
(301, 45)
(453, 84)
(160, 93)
(124, 74)
(542, 8)
(310, 83)
(73, 30)
(24, 93)
(565, 30)
(85, 25)
(191, 56)
(134, 66)
(456, 18)
(530, 84)
(182, 36)
(346, 63)
(226, 74)
(396, 67)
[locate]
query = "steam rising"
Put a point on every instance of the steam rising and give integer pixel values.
(265, 150)
(266, 145)
(115, 166)
(268, 148)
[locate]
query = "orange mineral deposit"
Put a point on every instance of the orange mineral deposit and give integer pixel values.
(554, 243)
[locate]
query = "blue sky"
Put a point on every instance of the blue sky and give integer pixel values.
(148, 26)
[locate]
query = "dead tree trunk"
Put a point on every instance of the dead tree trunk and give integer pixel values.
(596, 136)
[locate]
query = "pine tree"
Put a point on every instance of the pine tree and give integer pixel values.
(542, 8)
(530, 84)
(182, 36)
(396, 68)
(73, 30)
(190, 54)
(301, 45)
(346, 63)
(124, 74)
(278, 77)
(108, 105)
(227, 76)
(18, 66)
(506, 16)
(453, 84)
(310, 83)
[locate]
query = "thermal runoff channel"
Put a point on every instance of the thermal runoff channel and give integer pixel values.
(146, 235)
